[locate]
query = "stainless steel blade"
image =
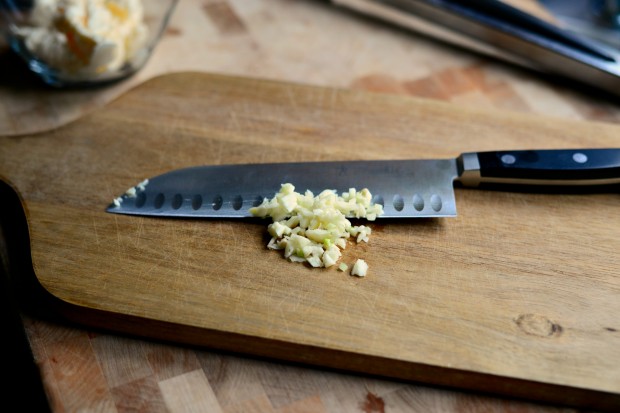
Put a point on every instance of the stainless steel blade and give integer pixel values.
(406, 188)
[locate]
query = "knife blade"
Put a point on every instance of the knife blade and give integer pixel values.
(405, 188)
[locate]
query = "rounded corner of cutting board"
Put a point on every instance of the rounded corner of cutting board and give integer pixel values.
(16, 249)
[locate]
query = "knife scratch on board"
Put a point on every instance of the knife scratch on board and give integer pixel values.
(218, 152)
(95, 232)
(282, 319)
(139, 231)
(279, 126)
(232, 115)
(223, 287)
(332, 98)
(119, 250)
(291, 97)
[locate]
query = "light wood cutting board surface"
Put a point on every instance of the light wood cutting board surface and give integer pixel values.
(518, 295)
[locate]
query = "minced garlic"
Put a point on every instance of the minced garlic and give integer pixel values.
(360, 268)
(314, 229)
(131, 192)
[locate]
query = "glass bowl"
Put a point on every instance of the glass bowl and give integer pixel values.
(78, 43)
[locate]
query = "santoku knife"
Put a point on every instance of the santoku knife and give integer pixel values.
(406, 188)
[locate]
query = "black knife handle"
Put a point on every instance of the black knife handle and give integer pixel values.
(549, 167)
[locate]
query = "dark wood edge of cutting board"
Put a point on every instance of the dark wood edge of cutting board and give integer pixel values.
(34, 299)
(21, 365)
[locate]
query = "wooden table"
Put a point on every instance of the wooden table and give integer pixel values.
(309, 42)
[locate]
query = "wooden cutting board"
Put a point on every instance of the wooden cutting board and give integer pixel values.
(518, 295)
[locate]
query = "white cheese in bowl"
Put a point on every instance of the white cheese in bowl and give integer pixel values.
(85, 37)
(314, 229)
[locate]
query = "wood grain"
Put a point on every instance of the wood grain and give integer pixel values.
(516, 296)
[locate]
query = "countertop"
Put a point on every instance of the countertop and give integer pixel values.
(309, 42)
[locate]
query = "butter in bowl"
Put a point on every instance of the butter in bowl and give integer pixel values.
(84, 42)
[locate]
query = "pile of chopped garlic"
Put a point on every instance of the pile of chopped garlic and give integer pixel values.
(314, 229)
